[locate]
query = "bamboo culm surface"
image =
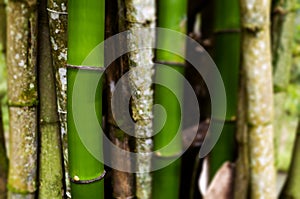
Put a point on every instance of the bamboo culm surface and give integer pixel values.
(22, 97)
(256, 63)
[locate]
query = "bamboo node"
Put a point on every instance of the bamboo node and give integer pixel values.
(56, 12)
(77, 180)
(91, 68)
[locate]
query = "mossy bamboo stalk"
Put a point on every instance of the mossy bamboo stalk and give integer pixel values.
(168, 178)
(227, 59)
(22, 97)
(86, 25)
(50, 156)
(58, 18)
(256, 62)
(141, 14)
(122, 182)
(291, 187)
(283, 26)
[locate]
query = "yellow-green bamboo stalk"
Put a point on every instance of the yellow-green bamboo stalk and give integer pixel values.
(256, 62)
(22, 97)
(50, 155)
(291, 187)
(283, 28)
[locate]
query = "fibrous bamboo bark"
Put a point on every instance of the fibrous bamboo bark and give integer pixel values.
(58, 18)
(141, 14)
(259, 93)
(291, 187)
(283, 26)
(122, 182)
(22, 97)
(50, 156)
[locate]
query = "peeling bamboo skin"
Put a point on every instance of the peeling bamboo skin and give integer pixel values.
(141, 14)
(291, 187)
(259, 92)
(50, 156)
(22, 97)
(23, 150)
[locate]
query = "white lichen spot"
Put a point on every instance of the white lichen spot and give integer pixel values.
(31, 85)
(54, 15)
(17, 56)
(63, 7)
(21, 63)
(18, 36)
(62, 56)
(56, 31)
(15, 76)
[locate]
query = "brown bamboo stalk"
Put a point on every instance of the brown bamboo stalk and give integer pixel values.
(122, 182)
(50, 156)
(259, 93)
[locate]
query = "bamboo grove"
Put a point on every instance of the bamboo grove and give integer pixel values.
(65, 132)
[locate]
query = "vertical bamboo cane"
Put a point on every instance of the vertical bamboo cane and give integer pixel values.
(3, 155)
(283, 26)
(86, 25)
(22, 97)
(256, 61)
(171, 15)
(227, 59)
(50, 156)
(291, 187)
(122, 182)
(57, 16)
(141, 14)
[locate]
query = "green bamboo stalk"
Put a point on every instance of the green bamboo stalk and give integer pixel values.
(141, 14)
(256, 62)
(22, 97)
(291, 187)
(122, 182)
(227, 59)
(167, 179)
(283, 28)
(86, 25)
(58, 18)
(50, 157)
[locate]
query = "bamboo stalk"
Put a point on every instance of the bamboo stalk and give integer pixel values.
(50, 156)
(242, 175)
(227, 59)
(167, 178)
(58, 18)
(85, 31)
(283, 28)
(22, 97)
(291, 187)
(141, 14)
(122, 182)
(3, 160)
(3, 152)
(259, 92)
